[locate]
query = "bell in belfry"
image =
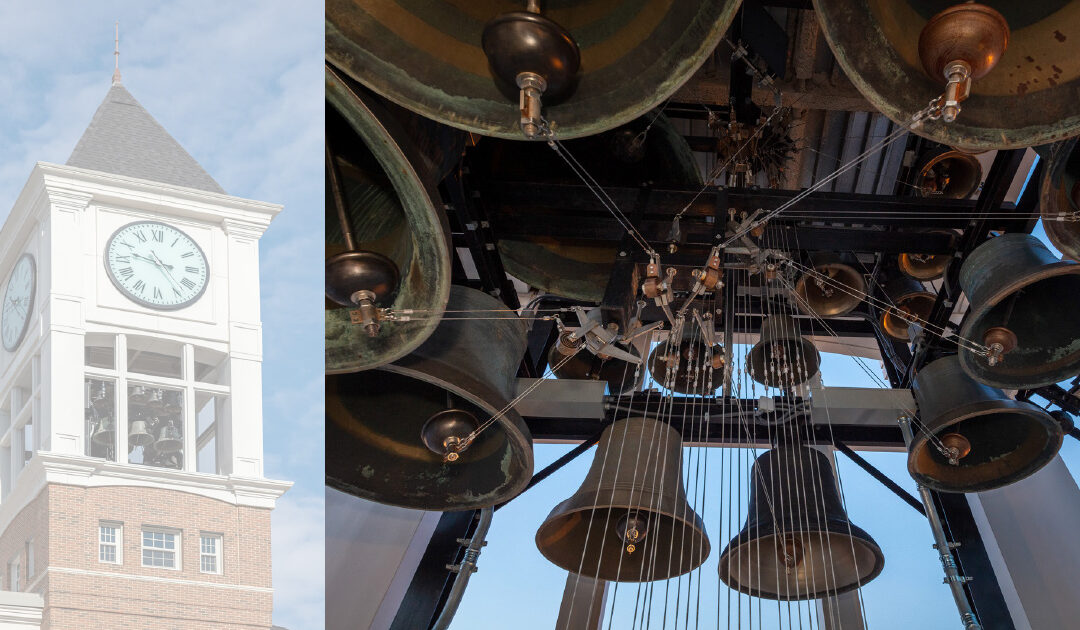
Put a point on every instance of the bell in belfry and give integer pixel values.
(833, 287)
(1059, 197)
(1022, 330)
(630, 520)
(782, 357)
(105, 433)
(139, 434)
(797, 542)
(973, 436)
(169, 439)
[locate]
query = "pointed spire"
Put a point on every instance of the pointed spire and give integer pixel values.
(116, 55)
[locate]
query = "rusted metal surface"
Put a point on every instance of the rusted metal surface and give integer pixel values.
(375, 419)
(1008, 439)
(391, 199)
(1028, 99)
(1016, 282)
(427, 56)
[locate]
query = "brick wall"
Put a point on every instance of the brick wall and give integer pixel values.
(81, 592)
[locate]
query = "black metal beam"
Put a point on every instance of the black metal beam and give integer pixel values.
(998, 181)
(904, 495)
(424, 599)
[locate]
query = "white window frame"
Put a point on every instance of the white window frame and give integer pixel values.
(30, 559)
(177, 546)
(118, 543)
(15, 574)
(217, 555)
(122, 377)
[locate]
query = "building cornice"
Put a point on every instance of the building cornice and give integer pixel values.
(20, 608)
(57, 468)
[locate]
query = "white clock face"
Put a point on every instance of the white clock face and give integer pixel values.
(156, 265)
(18, 302)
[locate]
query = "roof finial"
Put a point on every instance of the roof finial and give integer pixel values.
(116, 55)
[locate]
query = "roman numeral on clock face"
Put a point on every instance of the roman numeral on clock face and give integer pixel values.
(156, 265)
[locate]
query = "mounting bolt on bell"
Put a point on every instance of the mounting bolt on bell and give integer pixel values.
(366, 314)
(532, 86)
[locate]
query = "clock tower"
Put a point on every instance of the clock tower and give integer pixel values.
(132, 492)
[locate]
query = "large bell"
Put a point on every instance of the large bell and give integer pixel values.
(798, 542)
(973, 436)
(395, 434)
(648, 149)
(949, 173)
(105, 433)
(139, 434)
(910, 303)
(1025, 96)
(835, 288)
(427, 56)
(388, 187)
(1059, 198)
(629, 521)
(682, 366)
(782, 357)
(1024, 305)
(169, 439)
(926, 267)
(621, 376)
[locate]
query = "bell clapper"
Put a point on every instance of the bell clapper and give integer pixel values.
(956, 447)
(449, 433)
(998, 341)
(366, 314)
(789, 550)
(532, 86)
(632, 529)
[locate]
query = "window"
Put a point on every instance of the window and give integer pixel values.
(110, 539)
(100, 409)
(210, 553)
(160, 548)
(14, 581)
(156, 426)
(29, 559)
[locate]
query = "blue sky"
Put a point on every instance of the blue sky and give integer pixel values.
(239, 85)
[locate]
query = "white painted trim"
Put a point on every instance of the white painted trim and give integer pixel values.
(84, 472)
(21, 608)
(159, 580)
(178, 546)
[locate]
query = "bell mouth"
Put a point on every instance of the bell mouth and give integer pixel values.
(1009, 440)
(783, 363)
(389, 462)
(589, 541)
(840, 294)
(826, 562)
(924, 267)
(915, 305)
(690, 374)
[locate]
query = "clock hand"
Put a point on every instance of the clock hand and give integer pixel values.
(148, 259)
(163, 269)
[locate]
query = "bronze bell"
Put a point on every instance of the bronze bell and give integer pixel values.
(686, 363)
(139, 434)
(387, 238)
(169, 439)
(949, 173)
(1026, 56)
(1024, 303)
(835, 288)
(926, 267)
(400, 434)
(1059, 197)
(973, 436)
(621, 376)
(105, 432)
(910, 303)
(629, 521)
(458, 63)
(782, 357)
(797, 542)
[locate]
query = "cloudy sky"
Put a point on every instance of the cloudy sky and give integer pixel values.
(239, 85)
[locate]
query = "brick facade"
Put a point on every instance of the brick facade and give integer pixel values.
(81, 592)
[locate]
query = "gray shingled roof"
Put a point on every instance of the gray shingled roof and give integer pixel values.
(124, 139)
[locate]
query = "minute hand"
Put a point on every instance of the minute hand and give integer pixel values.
(164, 269)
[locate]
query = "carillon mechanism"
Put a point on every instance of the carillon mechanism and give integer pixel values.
(962, 44)
(388, 246)
(681, 365)
(632, 496)
(595, 351)
(1023, 306)
(834, 286)
(537, 55)
(798, 542)
(434, 430)
(973, 437)
(782, 357)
